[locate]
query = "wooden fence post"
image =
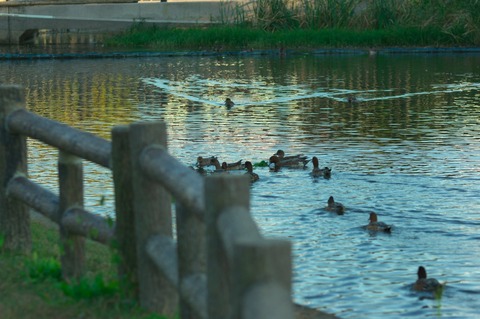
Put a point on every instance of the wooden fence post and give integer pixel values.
(14, 215)
(125, 241)
(221, 192)
(191, 247)
(263, 279)
(153, 216)
(70, 182)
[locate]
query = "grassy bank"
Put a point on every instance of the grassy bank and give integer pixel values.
(265, 24)
(30, 286)
(241, 38)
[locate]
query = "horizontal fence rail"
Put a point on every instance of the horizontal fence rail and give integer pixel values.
(61, 136)
(218, 266)
(77, 220)
(181, 181)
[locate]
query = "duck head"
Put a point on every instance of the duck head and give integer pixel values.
(214, 161)
(331, 201)
(274, 163)
(315, 162)
(280, 154)
(229, 103)
(373, 218)
(422, 273)
(327, 172)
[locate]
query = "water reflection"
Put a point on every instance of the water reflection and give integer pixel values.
(408, 149)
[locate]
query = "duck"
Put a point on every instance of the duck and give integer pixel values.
(320, 172)
(274, 163)
(279, 159)
(352, 98)
(202, 161)
(281, 155)
(375, 225)
(229, 103)
(218, 167)
(333, 206)
(226, 166)
(424, 284)
(253, 176)
(232, 166)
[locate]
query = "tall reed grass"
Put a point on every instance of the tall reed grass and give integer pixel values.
(460, 19)
(259, 24)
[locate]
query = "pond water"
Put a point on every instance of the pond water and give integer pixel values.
(409, 150)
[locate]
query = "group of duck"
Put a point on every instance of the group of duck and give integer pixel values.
(275, 163)
(236, 167)
(278, 161)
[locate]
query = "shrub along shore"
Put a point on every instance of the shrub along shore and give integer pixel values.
(309, 24)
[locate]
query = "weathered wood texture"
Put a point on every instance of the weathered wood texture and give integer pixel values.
(70, 182)
(163, 252)
(64, 137)
(152, 209)
(181, 181)
(78, 221)
(126, 243)
(14, 215)
(75, 220)
(262, 283)
(192, 254)
(222, 192)
(188, 188)
(34, 196)
(194, 294)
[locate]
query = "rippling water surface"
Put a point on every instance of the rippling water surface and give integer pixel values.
(408, 150)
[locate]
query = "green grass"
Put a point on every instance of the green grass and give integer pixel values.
(31, 286)
(310, 24)
(242, 38)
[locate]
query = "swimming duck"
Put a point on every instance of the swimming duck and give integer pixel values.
(318, 172)
(352, 98)
(424, 284)
(231, 166)
(202, 162)
(375, 225)
(218, 167)
(279, 159)
(226, 166)
(333, 206)
(229, 103)
(253, 176)
(274, 163)
(281, 155)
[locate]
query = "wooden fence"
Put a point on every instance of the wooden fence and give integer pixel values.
(218, 267)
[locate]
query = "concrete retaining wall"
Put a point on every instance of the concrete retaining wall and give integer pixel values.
(15, 20)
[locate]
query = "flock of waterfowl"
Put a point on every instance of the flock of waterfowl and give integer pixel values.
(279, 160)
(275, 163)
